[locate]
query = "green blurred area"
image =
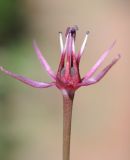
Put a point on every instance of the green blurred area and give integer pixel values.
(12, 28)
(11, 21)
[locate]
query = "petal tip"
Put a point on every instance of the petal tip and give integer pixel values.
(117, 57)
(1, 68)
(113, 44)
(34, 43)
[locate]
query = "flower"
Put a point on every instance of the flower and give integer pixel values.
(68, 76)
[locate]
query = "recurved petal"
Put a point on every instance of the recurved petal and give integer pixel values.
(99, 76)
(99, 62)
(43, 61)
(27, 81)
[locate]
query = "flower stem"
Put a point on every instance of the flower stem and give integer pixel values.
(67, 116)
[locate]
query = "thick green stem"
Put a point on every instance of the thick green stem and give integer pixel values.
(67, 116)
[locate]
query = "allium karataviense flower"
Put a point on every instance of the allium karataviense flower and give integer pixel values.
(67, 78)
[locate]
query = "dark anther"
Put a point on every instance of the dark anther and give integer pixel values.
(72, 30)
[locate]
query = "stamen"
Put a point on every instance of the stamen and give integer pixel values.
(83, 44)
(66, 42)
(61, 42)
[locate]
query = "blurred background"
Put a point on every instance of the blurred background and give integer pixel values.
(31, 119)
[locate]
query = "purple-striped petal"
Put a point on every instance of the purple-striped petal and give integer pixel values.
(43, 61)
(27, 81)
(98, 77)
(99, 62)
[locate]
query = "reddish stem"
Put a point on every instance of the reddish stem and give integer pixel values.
(67, 116)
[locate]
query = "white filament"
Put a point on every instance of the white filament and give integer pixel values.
(84, 44)
(61, 42)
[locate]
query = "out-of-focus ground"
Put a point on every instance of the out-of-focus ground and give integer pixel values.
(31, 119)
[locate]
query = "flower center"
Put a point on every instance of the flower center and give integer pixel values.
(68, 73)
